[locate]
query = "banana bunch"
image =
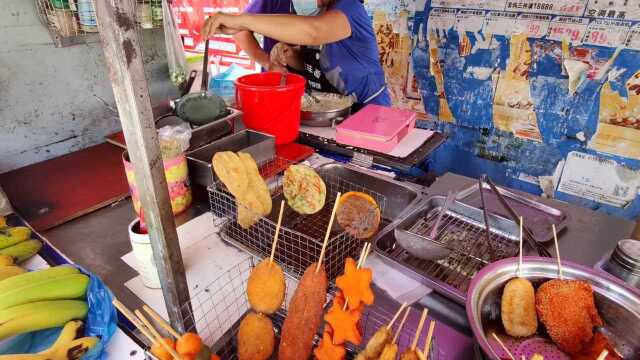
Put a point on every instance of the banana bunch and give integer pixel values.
(42, 299)
(66, 347)
(16, 242)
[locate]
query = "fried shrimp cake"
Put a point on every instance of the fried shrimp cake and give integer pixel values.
(304, 189)
(256, 339)
(266, 287)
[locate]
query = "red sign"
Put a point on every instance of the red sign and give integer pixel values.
(190, 16)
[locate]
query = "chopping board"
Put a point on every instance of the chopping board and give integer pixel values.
(55, 191)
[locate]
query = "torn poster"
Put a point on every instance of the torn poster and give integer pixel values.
(435, 68)
(619, 120)
(598, 179)
(513, 108)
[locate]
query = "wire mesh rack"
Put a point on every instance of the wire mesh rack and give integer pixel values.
(301, 236)
(218, 309)
(72, 22)
(466, 239)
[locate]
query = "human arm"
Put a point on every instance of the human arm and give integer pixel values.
(328, 27)
(249, 44)
(286, 55)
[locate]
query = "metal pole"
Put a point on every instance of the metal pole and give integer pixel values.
(121, 45)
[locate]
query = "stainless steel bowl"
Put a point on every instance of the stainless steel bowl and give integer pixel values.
(617, 302)
(324, 118)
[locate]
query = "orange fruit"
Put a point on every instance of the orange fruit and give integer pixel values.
(189, 344)
(188, 357)
(215, 357)
(160, 352)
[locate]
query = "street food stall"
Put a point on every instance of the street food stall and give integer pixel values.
(280, 223)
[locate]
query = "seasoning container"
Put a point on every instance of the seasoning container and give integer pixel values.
(87, 16)
(624, 262)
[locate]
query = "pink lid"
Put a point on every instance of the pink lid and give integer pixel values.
(379, 123)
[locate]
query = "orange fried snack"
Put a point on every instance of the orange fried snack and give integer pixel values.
(344, 324)
(595, 347)
(327, 350)
(356, 284)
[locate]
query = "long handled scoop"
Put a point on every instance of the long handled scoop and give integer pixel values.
(426, 247)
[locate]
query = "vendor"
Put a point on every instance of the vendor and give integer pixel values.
(246, 39)
(336, 47)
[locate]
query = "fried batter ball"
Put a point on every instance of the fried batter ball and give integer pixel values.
(256, 339)
(359, 214)
(568, 311)
(266, 287)
(377, 342)
(389, 352)
(518, 308)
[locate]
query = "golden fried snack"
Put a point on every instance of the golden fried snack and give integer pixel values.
(256, 339)
(230, 171)
(256, 183)
(518, 308)
(568, 311)
(409, 355)
(358, 214)
(593, 350)
(377, 342)
(304, 189)
(249, 209)
(304, 315)
(389, 352)
(266, 287)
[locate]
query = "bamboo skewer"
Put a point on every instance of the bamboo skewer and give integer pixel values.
(427, 342)
(275, 236)
(395, 317)
(404, 318)
(520, 255)
(603, 355)
(328, 234)
(160, 321)
(555, 240)
(157, 335)
(129, 315)
(502, 345)
(423, 317)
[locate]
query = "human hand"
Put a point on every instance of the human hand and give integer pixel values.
(281, 54)
(220, 23)
(271, 66)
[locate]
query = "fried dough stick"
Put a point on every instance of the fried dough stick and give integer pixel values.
(390, 350)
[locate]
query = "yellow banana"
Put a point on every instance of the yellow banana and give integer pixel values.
(33, 277)
(3, 222)
(40, 315)
(65, 287)
(6, 260)
(13, 235)
(23, 250)
(10, 271)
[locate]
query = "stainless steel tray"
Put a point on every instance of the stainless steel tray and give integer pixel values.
(205, 134)
(462, 231)
(537, 216)
(261, 146)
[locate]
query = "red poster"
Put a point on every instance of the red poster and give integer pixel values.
(223, 51)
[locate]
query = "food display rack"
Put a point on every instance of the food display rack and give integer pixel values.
(301, 236)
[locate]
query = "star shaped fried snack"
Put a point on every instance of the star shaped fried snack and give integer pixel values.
(344, 324)
(355, 284)
(326, 350)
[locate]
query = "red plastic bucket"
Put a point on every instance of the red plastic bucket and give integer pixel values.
(269, 107)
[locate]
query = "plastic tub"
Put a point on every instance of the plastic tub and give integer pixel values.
(269, 107)
(141, 245)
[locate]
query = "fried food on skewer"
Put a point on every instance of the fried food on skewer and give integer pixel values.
(355, 284)
(411, 353)
(359, 214)
(327, 350)
(568, 311)
(390, 350)
(595, 348)
(256, 339)
(380, 339)
(266, 287)
(518, 308)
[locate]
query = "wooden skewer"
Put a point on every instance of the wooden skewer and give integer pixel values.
(275, 236)
(328, 234)
(364, 248)
(395, 317)
(423, 317)
(523, 357)
(346, 301)
(555, 240)
(363, 254)
(129, 315)
(157, 335)
(502, 345)
(603, 355)
(427, 342)
(160, 321)
(520, 255)
(404, 318)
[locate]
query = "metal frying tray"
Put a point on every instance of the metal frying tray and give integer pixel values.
(537, 216)
(462, 231)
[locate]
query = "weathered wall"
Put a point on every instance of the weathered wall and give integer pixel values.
(57, 100)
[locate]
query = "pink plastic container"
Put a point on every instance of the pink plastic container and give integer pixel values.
(376, 127)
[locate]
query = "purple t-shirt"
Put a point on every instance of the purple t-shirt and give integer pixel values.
(269, 7)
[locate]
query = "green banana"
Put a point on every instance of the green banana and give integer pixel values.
(36, 276)
(65, 287)
(40, 315)
(14, 235)
(23, 250)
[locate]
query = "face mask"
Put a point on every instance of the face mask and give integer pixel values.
(306, 7)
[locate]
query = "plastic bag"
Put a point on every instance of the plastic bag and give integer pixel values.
(101, 321)
(5, 205)
(174, 140)
(173, 44)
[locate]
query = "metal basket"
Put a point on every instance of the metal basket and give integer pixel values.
(218, 309)
(301, 236)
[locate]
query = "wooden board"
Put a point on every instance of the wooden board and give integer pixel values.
(55, 191)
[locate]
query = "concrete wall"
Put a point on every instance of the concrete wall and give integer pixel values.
(57, 100)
